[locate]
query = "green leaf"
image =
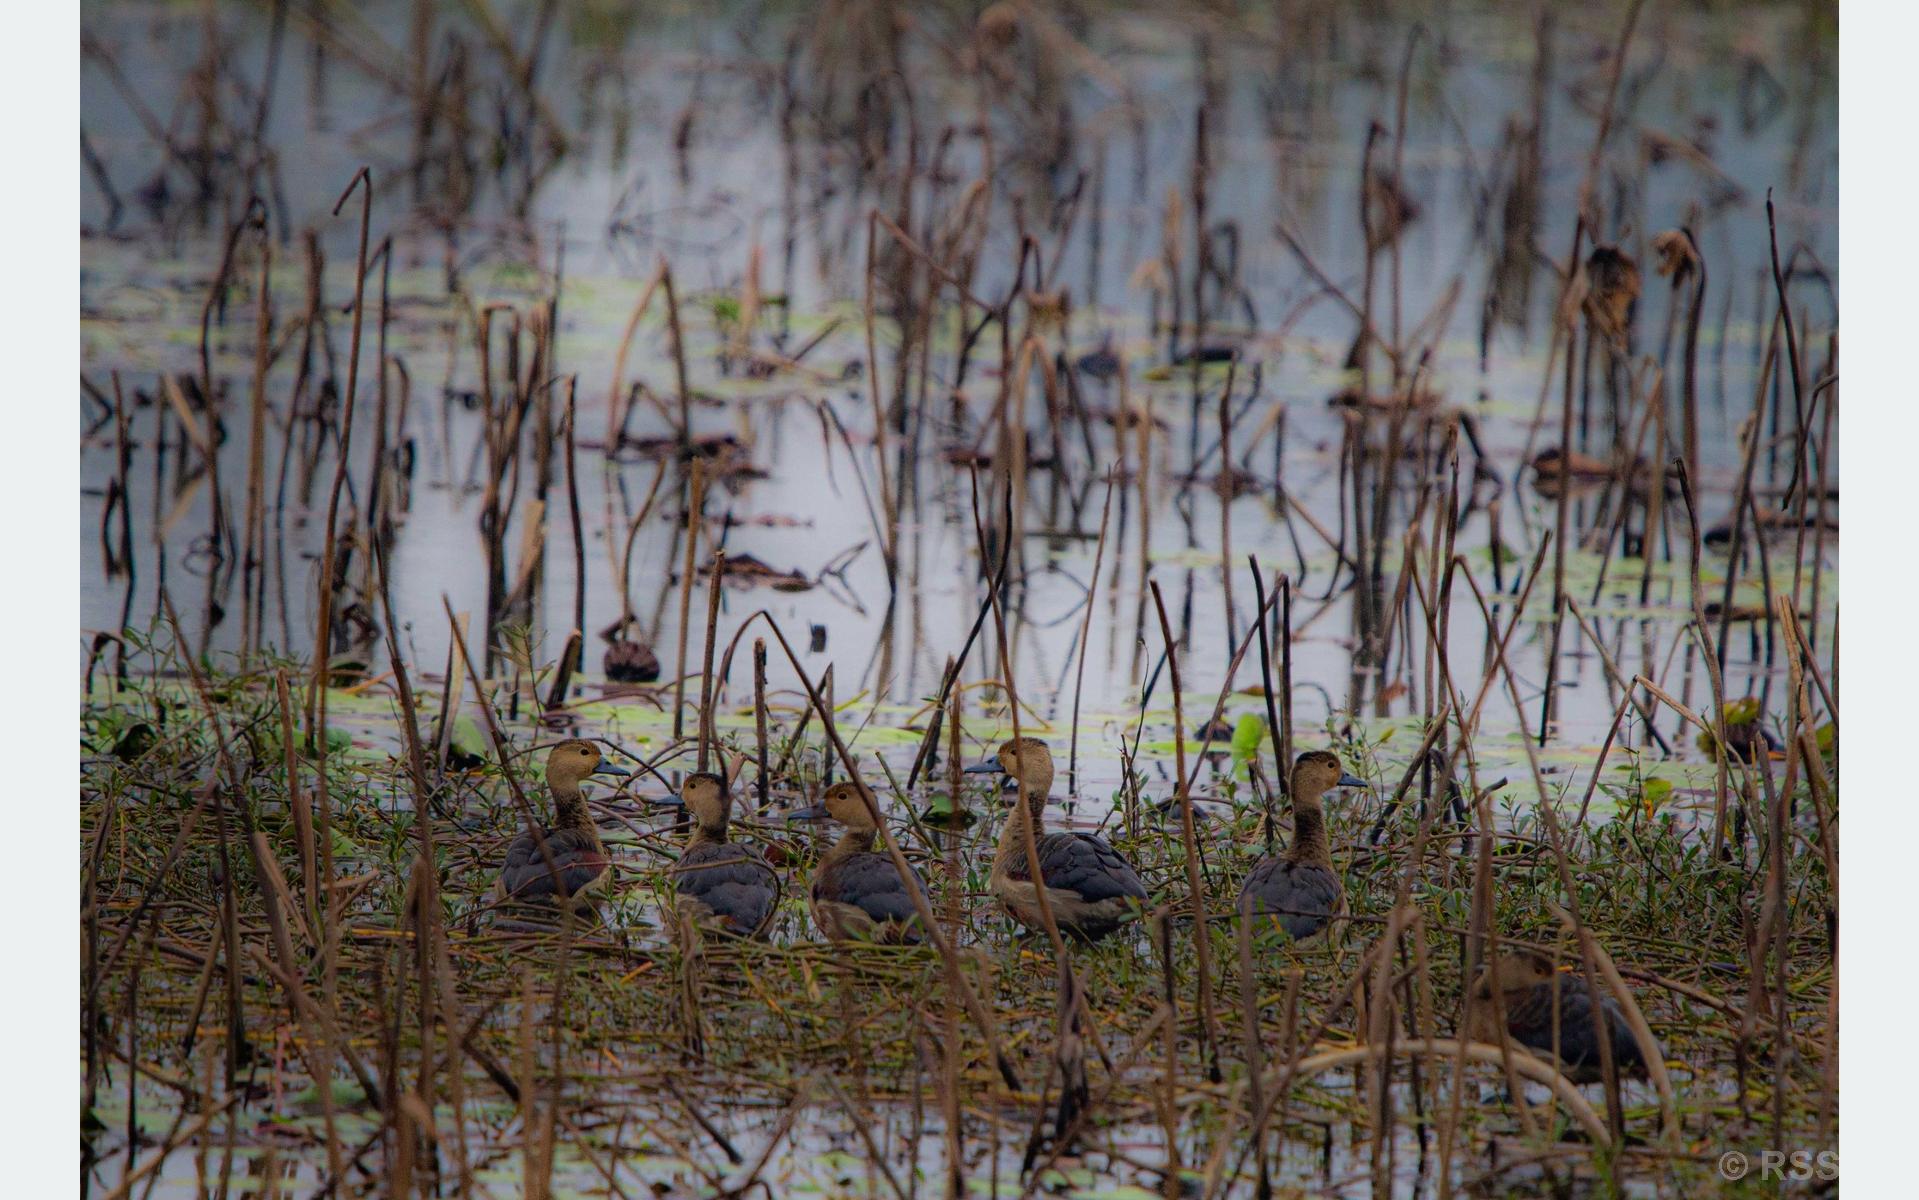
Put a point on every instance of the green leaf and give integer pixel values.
(467, 736)
(1737, 714)
(1654, 793)
(1248, 733)
(943, 809)
(346, 1093)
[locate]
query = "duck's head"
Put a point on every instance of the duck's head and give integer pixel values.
(1317, 772)
(849, 802)
(573, 760)
(1027, 759)
(707, 800)
(1512, 971)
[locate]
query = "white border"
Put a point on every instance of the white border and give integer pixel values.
(40, 475)
(39, 78)
(1877, 196)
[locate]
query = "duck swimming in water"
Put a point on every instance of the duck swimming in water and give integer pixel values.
(1528, 988)
(1300, 889)
(718, 881)
(572, 842)
(857, 894)
(1090, 886)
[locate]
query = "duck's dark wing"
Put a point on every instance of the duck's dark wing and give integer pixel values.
(1084, 865)
(1529, 1017)
(579, 859)
(1300, 896)
(732, 883)
(870, 883)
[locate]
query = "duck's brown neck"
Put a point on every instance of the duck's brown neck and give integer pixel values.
(569, 807)
(706, 835)
(1309, 831)
(1012, 836)
(852, 841)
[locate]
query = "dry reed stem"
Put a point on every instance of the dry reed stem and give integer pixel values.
(695, 506)
(1195, 884)
(615, 400)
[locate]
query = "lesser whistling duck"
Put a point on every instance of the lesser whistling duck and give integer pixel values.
(858, 894)
(1527, 989)
(1300, 889)
(1090, 886)
(717, 880)
(572, 841)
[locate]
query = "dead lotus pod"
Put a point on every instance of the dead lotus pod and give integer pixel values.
(631, 662)
(1677, 257)
(1389, 209)
(1612, 285)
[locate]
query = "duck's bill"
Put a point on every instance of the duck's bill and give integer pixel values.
(812, 812)
(985, 768)
(1348, 779)
(666, 801)
(607, 768)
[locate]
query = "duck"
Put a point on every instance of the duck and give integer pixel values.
(1090, 887)
(720, 882)
(1299, 889)
(1528, 990)
(858, 894)
(572, 841)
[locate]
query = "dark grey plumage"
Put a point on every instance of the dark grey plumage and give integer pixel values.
(869, 882)
(1084, 864)
(1529, 1018)
(578, 855)
(567, 857)
(1301, 897)
(1300, 890)
(730, 883)
(1088, 888)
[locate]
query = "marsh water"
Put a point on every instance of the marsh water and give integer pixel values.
(627, 193)
(746, 146)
